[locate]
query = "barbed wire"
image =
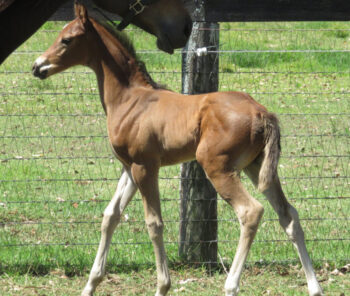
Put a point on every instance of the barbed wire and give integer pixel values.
(238, 30)
(274, 29)
(16, 223)
(67, 244)
(98, 114)
(177, 52)
(105, 136)
(6, 72)
(44, 158)
(97, 94)
(160, 178)
(96, 200)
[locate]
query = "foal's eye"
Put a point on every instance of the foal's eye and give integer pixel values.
(66, 41)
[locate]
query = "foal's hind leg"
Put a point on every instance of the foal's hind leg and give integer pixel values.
(249, 212)
(289, 220)
(111, 217)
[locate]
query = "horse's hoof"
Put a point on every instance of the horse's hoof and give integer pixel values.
(316, 290)
(232, 292)
(86, 293)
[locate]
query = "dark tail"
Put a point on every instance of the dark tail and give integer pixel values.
(271, 153)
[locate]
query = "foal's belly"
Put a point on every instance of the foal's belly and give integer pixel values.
(177, 156)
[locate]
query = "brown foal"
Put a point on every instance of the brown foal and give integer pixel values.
(150, 127)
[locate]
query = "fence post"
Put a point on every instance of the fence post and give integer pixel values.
(198, 209)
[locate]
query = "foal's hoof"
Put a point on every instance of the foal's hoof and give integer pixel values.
(316, 291)
(232, 292)
(86, 293)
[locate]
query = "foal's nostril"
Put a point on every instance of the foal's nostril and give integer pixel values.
(38, 73)
(35, 70)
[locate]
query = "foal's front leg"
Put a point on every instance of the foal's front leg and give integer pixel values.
(146, 178)
(111, 217)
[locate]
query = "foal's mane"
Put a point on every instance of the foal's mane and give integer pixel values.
(125, 41)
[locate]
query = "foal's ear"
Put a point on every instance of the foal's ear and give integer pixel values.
(81, 12)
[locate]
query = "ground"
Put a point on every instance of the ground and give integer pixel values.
(269, 280)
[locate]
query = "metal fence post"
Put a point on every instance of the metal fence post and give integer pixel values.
(198, 209)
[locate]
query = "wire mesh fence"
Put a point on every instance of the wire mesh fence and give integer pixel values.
(58, 173)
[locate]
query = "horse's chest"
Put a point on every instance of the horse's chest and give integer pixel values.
(128, 146)
(120, 149)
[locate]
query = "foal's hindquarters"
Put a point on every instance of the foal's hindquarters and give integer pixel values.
(254, 147)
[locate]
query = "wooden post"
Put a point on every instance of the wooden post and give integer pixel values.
(198, 212)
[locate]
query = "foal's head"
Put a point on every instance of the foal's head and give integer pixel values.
(85, 41)
(73, 46)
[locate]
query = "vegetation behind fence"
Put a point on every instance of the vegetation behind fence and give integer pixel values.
(57, 172)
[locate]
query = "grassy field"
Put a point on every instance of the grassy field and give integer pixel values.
(269, 280)
(57, 173)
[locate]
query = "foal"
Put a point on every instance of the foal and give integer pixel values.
(150, 127)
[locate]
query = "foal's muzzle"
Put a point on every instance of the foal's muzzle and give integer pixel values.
(41, 68)
(37, 73)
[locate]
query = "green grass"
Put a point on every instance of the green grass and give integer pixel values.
(269, 280)
(56, 165)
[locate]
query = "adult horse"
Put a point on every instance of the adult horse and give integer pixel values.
(168, 20)
(150, 127)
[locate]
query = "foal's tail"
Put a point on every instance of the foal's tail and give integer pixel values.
(271, 153)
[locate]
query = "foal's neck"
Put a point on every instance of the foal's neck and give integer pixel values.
(112, 90)
(117, 71)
